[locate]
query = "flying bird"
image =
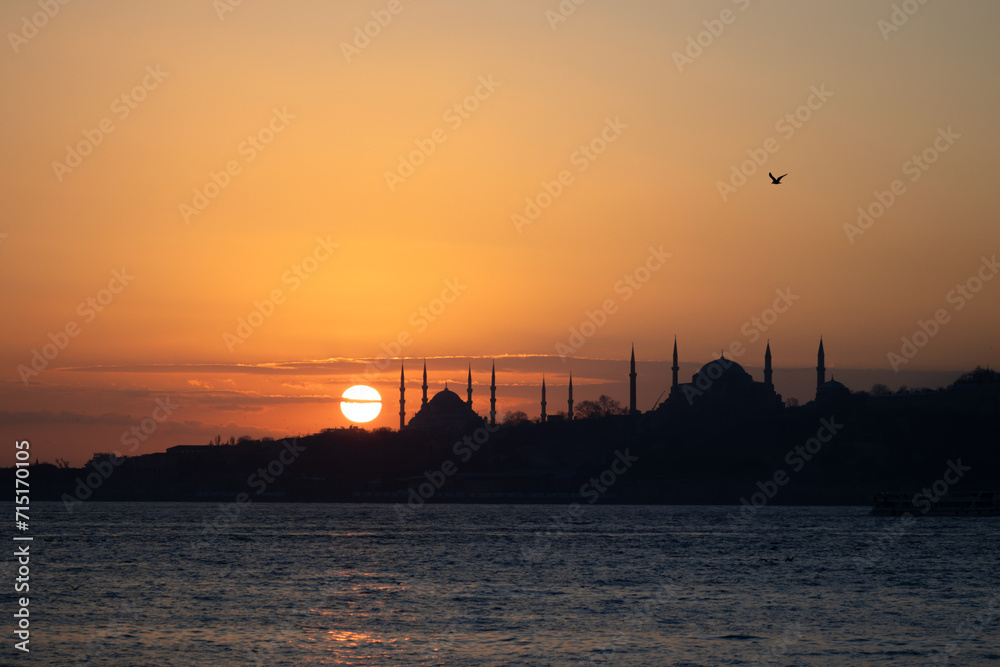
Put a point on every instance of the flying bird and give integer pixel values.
(776, 181)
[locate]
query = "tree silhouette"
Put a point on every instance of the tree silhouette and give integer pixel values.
(515, 417)
(604, 406)
(978, 376)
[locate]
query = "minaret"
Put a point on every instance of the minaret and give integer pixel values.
(470, 386)
(543, 399)
(493, 395)
(569, 414)
(402, 400)
(820, 365)
(631, 385)
(675, 367)
(424, 401)
(767, 367)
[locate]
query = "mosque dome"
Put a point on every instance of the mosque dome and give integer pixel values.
(722, 370)
(832, 390)
(446, 410)
(833, 385)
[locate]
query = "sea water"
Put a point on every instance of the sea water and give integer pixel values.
(335, 584)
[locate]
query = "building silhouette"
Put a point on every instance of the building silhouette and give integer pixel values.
(631, 385)
(493, 394)
(820, 365)
(402, 399)
(544, 417)
(721, 384)
(569, 402)
(446, 411)
(710, 442)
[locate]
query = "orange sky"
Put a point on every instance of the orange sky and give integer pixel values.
(294, 139)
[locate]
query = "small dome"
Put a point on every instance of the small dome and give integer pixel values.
(832, 392)
(833, 386)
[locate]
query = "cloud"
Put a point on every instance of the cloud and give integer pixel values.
(329, 366)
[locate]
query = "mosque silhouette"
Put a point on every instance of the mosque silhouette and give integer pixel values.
(720, 385)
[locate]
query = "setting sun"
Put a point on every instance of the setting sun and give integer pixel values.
(361, 403)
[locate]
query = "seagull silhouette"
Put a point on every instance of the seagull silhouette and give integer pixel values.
(776, 181)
